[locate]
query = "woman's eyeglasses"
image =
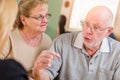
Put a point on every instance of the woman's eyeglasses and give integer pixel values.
(41, 17)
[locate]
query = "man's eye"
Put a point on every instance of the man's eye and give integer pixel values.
(96, 27)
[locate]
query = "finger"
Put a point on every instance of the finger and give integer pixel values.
(49, 53)
(42, 65)
(53, 53)
(47, 61)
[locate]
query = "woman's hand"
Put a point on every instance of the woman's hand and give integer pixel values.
(44, 59)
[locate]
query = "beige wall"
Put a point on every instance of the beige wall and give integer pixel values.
(117, 24)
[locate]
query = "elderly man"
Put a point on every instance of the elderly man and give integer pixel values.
(86, 55)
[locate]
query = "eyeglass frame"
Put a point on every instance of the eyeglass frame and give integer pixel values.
(40, 17)
(98, 29)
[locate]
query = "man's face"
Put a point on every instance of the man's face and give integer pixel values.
(96, 26)
(94, 30)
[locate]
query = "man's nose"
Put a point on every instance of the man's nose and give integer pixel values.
(89, 30)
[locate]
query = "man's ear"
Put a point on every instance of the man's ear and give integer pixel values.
(110, 30)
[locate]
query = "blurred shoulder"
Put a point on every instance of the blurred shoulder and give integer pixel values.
(45, 35)
(114, 42)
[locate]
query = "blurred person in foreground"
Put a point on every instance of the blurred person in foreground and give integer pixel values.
(9, 68)
(28, 39)
(86, 55)
(12, 70)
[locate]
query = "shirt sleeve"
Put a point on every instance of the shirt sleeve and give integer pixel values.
(53, 70)
(117, 71)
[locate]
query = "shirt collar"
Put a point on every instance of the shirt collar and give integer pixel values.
(105, 47)
(79, 41)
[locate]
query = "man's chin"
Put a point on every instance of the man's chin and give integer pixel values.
(88, 44)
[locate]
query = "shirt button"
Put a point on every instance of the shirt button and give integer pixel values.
(90, 63)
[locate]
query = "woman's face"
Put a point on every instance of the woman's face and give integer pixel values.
(38, 19)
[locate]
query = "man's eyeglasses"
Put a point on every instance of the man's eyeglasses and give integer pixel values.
(41, 17)
(94, 28)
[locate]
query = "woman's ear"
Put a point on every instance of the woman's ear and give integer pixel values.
(23, 19)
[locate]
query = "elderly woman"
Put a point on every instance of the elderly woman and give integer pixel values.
(28, 39)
